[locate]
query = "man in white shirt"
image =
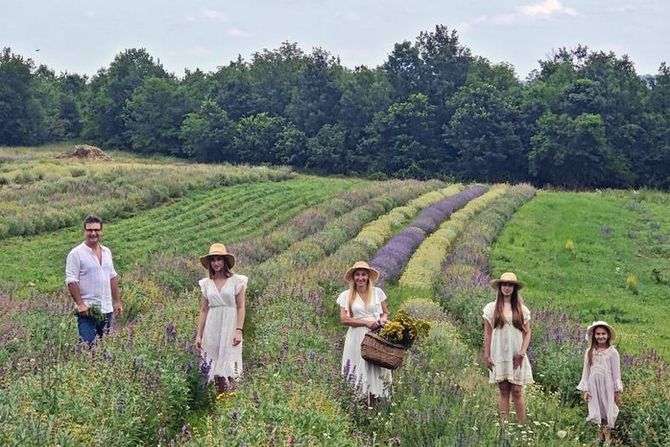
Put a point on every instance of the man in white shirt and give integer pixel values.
(92, 281)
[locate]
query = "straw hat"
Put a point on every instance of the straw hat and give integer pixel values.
(507, 277)
(218, 250)
(594, 325)
(374, 274)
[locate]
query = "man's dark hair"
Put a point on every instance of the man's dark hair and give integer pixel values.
(92, 218)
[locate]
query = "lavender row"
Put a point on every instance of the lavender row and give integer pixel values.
(391, 258)
(259, 249)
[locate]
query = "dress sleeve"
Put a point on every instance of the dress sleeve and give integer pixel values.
(381, 296)
(203, 287)
(526, 313)
(240, 283)
(616, 370)
(584, 383)
(488, 313)
(343, 298)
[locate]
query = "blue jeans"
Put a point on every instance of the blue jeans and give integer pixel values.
(89, 328)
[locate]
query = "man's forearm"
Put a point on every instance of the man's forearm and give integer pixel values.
(73, 288)
(114, 285)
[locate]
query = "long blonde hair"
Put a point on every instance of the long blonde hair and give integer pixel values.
(365, 297)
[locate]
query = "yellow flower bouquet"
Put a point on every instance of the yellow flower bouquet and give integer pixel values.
(389, 347)
(404, 330)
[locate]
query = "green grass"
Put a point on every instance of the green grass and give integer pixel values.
(40, 192)
(186, 228)
(616, 236)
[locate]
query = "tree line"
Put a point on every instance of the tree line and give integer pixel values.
(582, 119)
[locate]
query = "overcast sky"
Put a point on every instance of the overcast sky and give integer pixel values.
(84, 36)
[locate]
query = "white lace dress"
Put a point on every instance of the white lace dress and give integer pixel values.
(505, 344)
(602, 379)
(220, 325)
(366, 377)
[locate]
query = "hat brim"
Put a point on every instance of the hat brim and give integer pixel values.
(593, 326)
(374, 274)
(230, 259)
(495, 282)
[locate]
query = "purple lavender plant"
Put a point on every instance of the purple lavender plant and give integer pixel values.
(392, 257)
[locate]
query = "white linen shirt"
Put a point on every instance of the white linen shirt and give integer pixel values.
(82, 266)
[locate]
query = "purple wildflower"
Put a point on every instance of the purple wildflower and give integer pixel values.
(171, 332)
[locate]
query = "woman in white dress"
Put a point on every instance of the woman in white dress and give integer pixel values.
(363, 308)
(221, 321)
(506, 339)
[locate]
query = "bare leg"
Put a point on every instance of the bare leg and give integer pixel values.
(607, 437)
(221, 384)
(231, 385)
(519, 402)
(503, 399)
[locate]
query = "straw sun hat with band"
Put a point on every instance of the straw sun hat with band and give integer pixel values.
(374, 274)
(594, 325)
(218, 250)
(507, 277)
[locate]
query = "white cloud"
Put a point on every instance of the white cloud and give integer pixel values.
(215, 15)
(547, 8)
(349, 16)
(238, 33)
(544, 10)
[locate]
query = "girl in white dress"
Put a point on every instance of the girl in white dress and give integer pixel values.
(221, 321)
(363, 308)
(601, 378)
(506, 339)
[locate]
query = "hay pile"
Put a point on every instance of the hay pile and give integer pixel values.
(86, 152)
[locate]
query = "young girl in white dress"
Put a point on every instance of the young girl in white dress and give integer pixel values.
(363, 308)
(221, 321)
(601, 378)
(506, 339)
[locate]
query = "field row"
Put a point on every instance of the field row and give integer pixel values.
(38, 262)
(42, 193)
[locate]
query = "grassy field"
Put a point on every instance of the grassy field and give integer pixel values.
(42, 192)
(186, 228)
(598, 255)
(583, 255)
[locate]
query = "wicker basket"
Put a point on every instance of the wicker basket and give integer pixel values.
(382, 352)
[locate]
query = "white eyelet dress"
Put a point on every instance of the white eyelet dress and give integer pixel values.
(505, 344)
(220, 325)
(366, 377)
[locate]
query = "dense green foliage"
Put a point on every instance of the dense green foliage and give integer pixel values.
(432, 109)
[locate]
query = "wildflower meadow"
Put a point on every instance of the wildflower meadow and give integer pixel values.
(583, 256)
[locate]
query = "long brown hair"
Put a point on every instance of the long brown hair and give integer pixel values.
(517, 314)
(594, 343)
(227, 272)
(352, 292)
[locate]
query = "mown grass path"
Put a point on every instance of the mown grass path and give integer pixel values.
(616, 269)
